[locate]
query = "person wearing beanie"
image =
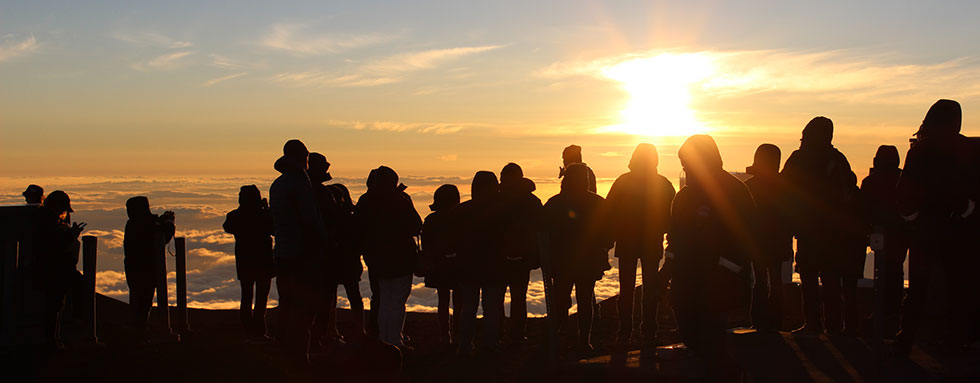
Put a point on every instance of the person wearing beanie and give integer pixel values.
(438, 263)
(578, 246)
(888, 234)
(300, 238)
(823, 193)
(34, 194)
(572, 154)
(251, 224)
(937, 196)
(774, 241)
(388, 225)
(518, 221)
(639, 217)
(707, 255)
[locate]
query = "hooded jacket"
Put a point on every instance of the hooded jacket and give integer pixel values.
(388, 224)
(138, 241)
(879, 189)
(518, 219)
(300, 234)
(251, 224)
(774, 239)
(639, 207)
(578, 242)
(476, 236)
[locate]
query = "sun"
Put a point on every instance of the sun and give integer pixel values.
(660, 93)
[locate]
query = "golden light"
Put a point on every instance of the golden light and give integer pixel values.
(660, 93)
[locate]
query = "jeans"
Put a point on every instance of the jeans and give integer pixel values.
(767, 295)
(253, 317)
(517, 280)
(584, 290)
(649, 299)
(394, 294)
(469, 298)
(298, 299)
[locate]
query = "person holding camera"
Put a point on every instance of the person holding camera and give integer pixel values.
(251, 224)
(139, 247)
(56, 256)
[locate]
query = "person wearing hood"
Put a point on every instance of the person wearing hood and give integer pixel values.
(707, 253)
(823, 192)
(141, 243)
(251, 224)
(33, 195)
(579, 248)
(55, 255)
(889, 235)
(937, 197)
(639, 217)
(774, 241)
(438, 263)
(518, 219)
(388, 225)
(300, 239)
(347, 258)
(477, 245)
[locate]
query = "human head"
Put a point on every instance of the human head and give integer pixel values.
(766, 160)
(945, 117)
(249, 195)
(295, 151)
(138, 206)
(58, 202)
(886, 158)
(571, 155)
(445, 197)
(699, 154)
(318, 168)
(645, 158)
(383, 178)
(484, 185)
(576, 179)
(33, 194)
(819, 132)
(511, 174)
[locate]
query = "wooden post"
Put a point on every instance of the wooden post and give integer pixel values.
(7, 310)
(181, 324)
(163, 306)
(89, 255)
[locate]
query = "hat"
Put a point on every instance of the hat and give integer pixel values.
(446, 196)
(766, 156)
(572, 154)
(59, 200)
(645, 156)
(945, 116)
(295, 149)
(820, 130)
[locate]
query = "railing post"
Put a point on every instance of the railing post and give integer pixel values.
(8, 320)
(163, 306)
(89, 255)
(181, 324)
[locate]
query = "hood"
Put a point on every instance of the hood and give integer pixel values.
(382, 178)
(571, 154)
(945, 117)
(576, 179)
(699, 155)
(484, 185)
(446, 197)
(766, 160)
(645, 158)
(818, 133)
(249, 196)
(138, 207)
(886, 158)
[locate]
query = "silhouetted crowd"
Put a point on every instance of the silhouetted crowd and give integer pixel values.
(726, 243)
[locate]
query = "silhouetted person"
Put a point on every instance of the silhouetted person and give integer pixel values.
(572, 154)
(518, 219)
(823, 189)
(889, 233)
(389, 224)
(937, 196)
(140, 247)
(478, 249)
(347, 257)
(324, 329)
(439, 263)
(34, 194)
(579, 246)
(707, 253)
(773, 238)
(56, 256)
(639, 217)
(299, 243)
(251, 224)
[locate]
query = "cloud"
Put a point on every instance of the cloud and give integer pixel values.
(214, 81)
(166, 62)
(150, 39)
(290, 38)
(223, 62)
(419, 127)
(382, 71)
(10, 48)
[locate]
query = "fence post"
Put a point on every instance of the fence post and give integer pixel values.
(89, 255)
(163, 306)
(181, 324)
(8, 320)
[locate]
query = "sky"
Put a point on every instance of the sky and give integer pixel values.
(191, 99)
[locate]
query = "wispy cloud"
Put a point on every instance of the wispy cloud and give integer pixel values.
(418, 127)
(223, 62)
(11, 47)
(151, 39)
(166, 62)
(382, 71)
(292, 39)
(214, 81)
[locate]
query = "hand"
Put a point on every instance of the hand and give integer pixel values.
(77, 228)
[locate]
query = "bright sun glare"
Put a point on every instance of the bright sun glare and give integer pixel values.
(660, 93)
